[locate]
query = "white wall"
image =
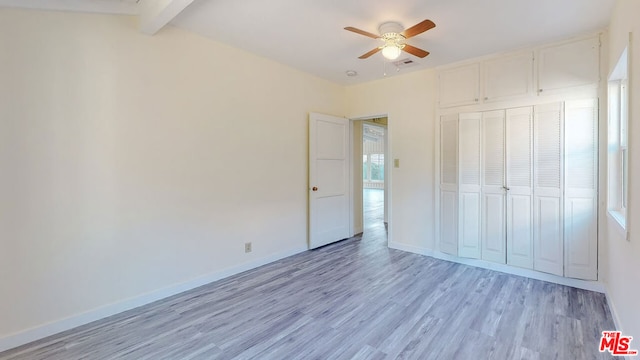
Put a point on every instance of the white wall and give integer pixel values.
(131, 163)
(623, 263)
(409, 100)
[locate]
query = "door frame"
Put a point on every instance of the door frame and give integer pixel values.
(387, 175)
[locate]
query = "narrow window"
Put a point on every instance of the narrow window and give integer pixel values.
(618, 95)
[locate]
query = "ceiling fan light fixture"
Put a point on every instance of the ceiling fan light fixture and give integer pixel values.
(393, 45)
(391, 52)
(394, 42)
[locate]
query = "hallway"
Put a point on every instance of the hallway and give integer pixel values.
(374, 226)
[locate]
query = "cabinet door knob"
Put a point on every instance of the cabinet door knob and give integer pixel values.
(315, 188)
(486, 98)
(476, 99)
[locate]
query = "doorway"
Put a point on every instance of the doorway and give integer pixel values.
(371, 172)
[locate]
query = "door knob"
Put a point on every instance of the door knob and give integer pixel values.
(315, 188)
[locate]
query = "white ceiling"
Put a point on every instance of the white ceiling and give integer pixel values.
(308, 34)
(123, 7)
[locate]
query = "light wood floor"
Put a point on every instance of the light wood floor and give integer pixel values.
(355, 299)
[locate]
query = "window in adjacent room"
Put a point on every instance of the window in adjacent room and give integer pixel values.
(373, 148)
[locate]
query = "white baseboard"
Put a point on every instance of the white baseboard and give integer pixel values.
(580, 284)
(616, 319)
(613, 310)
(52, 328)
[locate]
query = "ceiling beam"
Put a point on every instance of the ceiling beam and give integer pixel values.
(155, 14)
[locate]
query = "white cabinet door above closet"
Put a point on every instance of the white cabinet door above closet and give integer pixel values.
(508, 77)
(547, 200)
(581, 200)
(469, 131)
(459, 86)
(493, 191)
(568, 65)
(519, 144)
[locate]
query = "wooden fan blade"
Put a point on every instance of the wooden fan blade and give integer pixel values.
(418, 28)
(362, 32)
(369, 53)
(415, 51)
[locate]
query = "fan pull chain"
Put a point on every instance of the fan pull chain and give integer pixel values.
(384, 68)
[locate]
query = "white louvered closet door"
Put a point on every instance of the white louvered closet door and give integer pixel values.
(581, 184)
(449, 184)
(493, 192)
(519, 144)
(469, 130)
(547, 200)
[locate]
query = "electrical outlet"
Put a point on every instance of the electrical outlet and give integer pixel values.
(247, 247)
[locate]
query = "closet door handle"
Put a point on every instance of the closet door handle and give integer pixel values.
(506, 188)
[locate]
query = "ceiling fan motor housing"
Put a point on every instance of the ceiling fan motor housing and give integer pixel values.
(390, 27)
(390, 34)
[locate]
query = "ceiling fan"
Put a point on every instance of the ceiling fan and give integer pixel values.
(394, 37)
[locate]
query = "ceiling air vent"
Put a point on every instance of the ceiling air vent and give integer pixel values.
(403, 63)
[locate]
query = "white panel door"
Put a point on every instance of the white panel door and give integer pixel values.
(493, 237)
(519, 144)
(459, 85)
(581, 184)
(508, 76)
(449, 184)
(469, 136)
(328, 179)
(547, 199)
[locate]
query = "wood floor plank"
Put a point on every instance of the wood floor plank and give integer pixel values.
(355, 299)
